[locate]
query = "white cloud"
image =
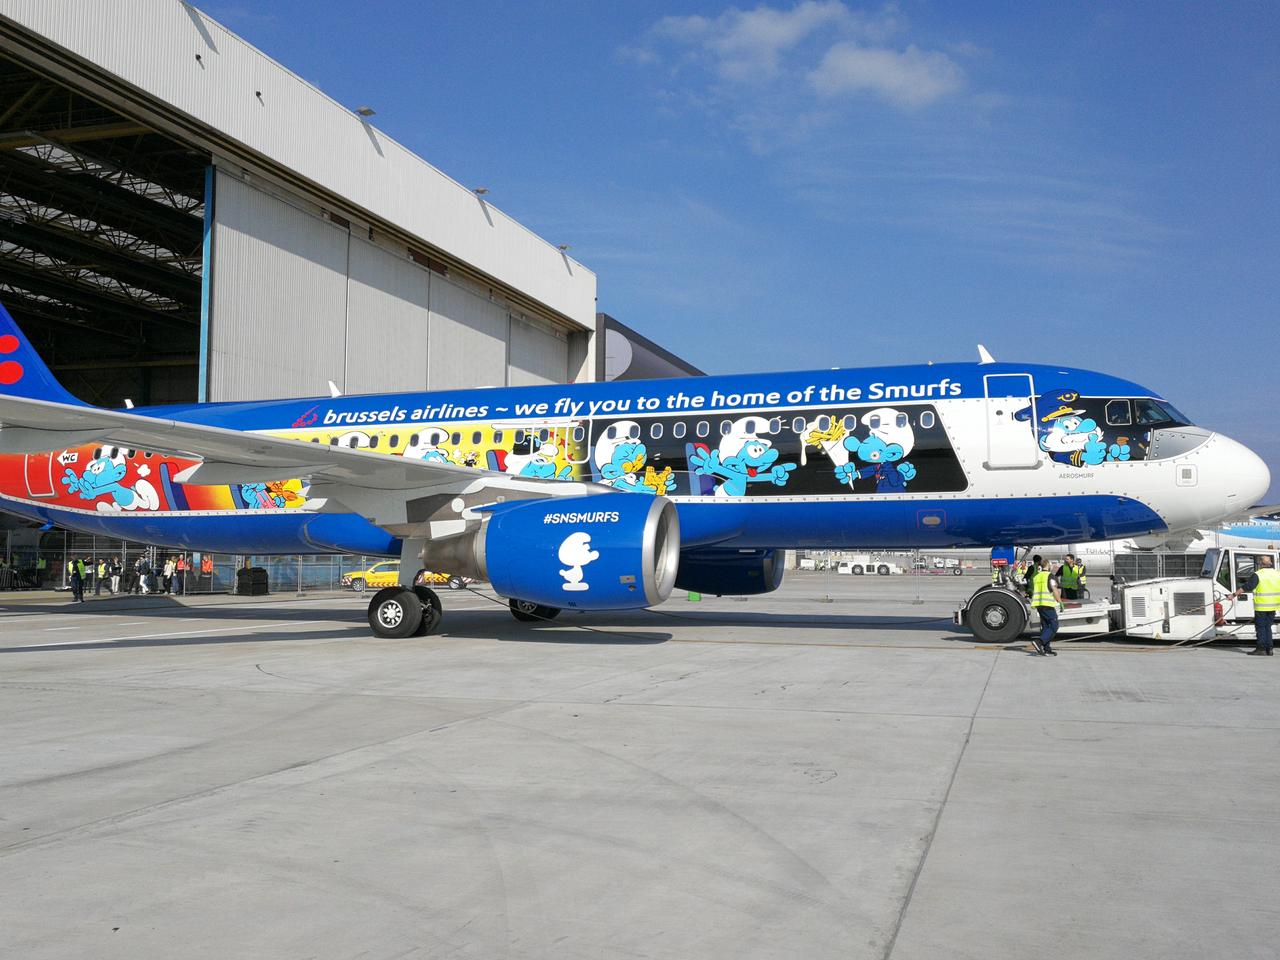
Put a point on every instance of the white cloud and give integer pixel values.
(910, 78)
(746, 45)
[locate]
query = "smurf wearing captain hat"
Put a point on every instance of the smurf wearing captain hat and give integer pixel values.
(1069, 436)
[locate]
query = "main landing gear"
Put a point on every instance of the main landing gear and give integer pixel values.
(398, 612)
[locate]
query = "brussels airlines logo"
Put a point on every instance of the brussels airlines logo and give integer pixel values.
(576, 553)
(10, 370)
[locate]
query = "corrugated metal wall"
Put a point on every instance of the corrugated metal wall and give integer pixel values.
(278, 313)
(388, 321)
(538, 354)
(298, 300)
(468, 338)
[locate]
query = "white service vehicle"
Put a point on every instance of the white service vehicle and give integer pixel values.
(863, 564)
(1168, 608)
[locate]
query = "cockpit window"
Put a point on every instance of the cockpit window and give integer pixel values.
(1118, 413)
(1149, 412)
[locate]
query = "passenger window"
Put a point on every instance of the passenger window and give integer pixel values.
(798, 424)
(926, 419)
(824, 422)
(353, 442)
(1149, 412)
(901, 420)
(543, 434)
(703, 428)
(578, 434)
(518, 437)
(475, 437)
(333, 441)
(655, 431)
(497, 436)
(677, 429)
(1118, 413)
(611, 433)
(395, 440)
(725, 427)
(455, 438)
(413, 440)
(373, 442)
(633, 431)
(873, 422)
(849, 421)
(313, 440)
(775, 425)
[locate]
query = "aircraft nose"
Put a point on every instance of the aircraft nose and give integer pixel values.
(1248, 477)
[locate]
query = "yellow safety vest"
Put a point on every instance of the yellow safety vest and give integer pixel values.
(1041, 595)
(1267, 595)
(1072, 576)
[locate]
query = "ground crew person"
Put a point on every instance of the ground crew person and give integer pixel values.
(1071, 576)
(77, 580)
(1047, 599)
(42, 568)
(995, 574)
(1264, 584)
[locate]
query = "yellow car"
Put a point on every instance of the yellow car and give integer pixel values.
(387, 574)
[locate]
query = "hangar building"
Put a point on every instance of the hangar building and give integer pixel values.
(183, 218)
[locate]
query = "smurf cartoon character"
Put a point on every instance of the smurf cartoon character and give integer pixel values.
(620, 457)
(743, 457)
(539, 463)
(889, 439)
(1069, 436)
(104, 477)
(426, 445)
(575, 553)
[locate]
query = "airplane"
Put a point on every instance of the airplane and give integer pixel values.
(606, 496)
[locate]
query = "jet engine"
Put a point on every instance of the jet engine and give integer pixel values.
(736, 573)
(612, 551)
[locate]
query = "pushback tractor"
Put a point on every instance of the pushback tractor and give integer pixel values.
(1178, 609)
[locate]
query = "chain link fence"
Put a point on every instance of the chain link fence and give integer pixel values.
(43, 560)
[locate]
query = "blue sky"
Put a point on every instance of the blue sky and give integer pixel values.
(820, 184)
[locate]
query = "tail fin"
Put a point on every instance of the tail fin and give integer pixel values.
(22, 372)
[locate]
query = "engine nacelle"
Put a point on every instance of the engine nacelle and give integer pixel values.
(612, 551)
(737, 573)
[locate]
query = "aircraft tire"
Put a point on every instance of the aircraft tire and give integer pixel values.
(526, 611)
(395, 613)
(432, 611)
(996, 617)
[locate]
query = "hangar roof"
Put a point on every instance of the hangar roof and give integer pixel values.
(172, 67)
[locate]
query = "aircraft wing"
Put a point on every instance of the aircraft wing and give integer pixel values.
(231, 456)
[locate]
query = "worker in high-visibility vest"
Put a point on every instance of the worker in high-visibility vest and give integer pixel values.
(1047, 599)
(1264, 584)
(1072, 577)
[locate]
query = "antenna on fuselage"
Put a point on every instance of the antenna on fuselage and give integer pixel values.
(984, 356)
(333, 390)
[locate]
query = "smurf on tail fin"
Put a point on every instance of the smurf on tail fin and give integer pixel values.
(22, 372)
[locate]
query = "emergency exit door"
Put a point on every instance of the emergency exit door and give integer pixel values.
(1011, 422)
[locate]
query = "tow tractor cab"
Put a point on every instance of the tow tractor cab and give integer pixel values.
(1166, 608)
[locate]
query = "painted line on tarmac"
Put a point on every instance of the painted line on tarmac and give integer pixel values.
(160, 636)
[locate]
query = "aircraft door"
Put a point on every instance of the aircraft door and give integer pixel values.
(1011, 442)
(39, 470)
